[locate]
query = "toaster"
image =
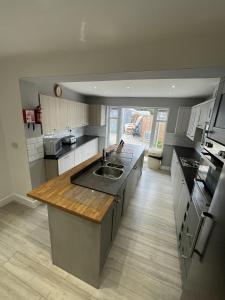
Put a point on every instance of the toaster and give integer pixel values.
(69, 139)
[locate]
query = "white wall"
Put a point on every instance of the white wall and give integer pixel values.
(5, 182)
(173, 56)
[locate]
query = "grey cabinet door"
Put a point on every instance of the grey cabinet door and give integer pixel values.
(184, 199)
(117, 214)
(187, 235)
(110, 226)
(193, 220)
(184, 257)
(106, 235)
(130, 184)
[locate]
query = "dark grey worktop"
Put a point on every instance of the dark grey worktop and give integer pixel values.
(189, 173)
(68, 148)
(128, 157)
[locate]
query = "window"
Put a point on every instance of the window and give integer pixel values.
(137, 125)
(160, 128)
(114, 126)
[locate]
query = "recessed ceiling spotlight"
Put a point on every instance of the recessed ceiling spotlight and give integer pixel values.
(95, 87)
(128, 87)
(173, 86)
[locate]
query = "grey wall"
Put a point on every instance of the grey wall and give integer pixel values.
(172, 103)
(46, 87)
(29, 92)
(29, 98)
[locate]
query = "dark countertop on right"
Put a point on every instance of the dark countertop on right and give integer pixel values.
(189, 173)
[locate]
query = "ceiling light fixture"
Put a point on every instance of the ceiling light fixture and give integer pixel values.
(173, 86)
(128, 87)
(95, 87)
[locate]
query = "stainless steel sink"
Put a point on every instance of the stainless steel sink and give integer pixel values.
(109, 172)
(114, 165)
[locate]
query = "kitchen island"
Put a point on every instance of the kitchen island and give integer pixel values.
(83, 222)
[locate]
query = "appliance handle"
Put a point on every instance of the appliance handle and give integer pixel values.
(205, 132)
(204, 156)
(204, 215)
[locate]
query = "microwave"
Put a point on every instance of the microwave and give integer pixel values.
(52, 146)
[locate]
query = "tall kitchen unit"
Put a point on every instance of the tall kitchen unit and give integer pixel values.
(206, 277)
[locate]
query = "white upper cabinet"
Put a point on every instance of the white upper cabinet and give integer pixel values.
(97, 115)
(59, 114)
(71, 114)
(210, 110)
(200, 115)
(45, 112)
(84, 114)
(183, 120)
(203, 114)
(86, 111)
(49, 110)
(193, 123)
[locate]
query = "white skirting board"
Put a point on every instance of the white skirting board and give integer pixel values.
(19, 199)
(6, 200)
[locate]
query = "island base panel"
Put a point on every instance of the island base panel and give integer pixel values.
(75, 245)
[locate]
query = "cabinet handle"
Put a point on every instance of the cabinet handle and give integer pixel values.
(189, 235)
(202, 219)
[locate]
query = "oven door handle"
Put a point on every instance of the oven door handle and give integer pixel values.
(204, 215)
(204, 156)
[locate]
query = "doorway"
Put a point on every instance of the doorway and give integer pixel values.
(137, 125)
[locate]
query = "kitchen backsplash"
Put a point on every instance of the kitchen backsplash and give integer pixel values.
(79, 131)
(35, 148)
(95, 130)
(100, 131)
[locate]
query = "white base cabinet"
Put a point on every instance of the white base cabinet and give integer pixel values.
(180, 191)
(57, 167)
(85, 151)
(65, 163)
(200, 115)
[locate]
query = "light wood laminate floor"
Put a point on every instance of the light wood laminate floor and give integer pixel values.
(142, 264)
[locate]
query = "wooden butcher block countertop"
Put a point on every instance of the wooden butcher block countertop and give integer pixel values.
(77, 200)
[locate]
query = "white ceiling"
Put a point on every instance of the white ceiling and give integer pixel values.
(201, 87)
(33, 27)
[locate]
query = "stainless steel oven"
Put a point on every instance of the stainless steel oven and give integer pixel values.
(209, 171)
